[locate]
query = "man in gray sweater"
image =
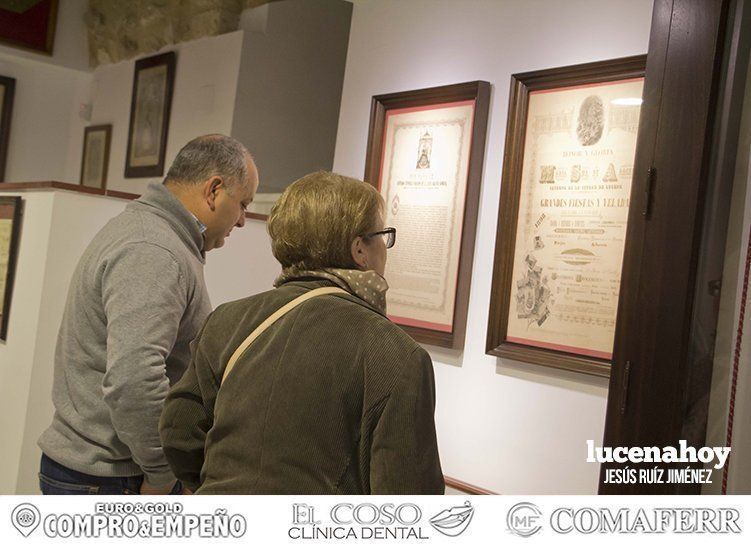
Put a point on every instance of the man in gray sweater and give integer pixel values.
(136, 300)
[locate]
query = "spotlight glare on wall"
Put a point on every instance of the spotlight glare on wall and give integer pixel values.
(633, 101)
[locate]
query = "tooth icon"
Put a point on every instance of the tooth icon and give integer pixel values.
(454, 521)
(25, 518)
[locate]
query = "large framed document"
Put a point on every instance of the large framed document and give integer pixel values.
(425, 156)
(562, 224)
(10, 224)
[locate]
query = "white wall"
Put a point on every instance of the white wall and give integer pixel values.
(507, 426)
(17, 353)
(243, 267)
(75, 219)
(46, 132)
(56, 228)
(203, 100)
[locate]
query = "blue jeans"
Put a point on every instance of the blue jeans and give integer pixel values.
(56, 479)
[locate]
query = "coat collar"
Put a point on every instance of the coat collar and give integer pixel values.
(309, 283)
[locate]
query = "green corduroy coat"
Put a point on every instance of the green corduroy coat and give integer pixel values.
(333, 398)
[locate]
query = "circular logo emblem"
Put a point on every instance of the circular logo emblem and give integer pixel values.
(25, 518)
(524, 519)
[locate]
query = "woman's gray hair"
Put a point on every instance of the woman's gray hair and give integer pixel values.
(314, 221)
(210, 155)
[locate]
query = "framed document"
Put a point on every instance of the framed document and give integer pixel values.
(96, 156)
(10, 223)
(150, 106)
(425, 156)
(29, 24)
(7, 89)
(568, 165)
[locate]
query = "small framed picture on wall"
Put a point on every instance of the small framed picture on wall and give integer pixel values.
(29, 24)
(150, 107)
(11, 210)
(7, 89)
(96, 156)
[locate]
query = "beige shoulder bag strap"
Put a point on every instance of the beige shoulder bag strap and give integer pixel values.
(292, 304)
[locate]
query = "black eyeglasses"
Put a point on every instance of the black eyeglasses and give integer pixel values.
(388, 232)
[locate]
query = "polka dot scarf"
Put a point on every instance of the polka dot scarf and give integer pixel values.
(367, 285)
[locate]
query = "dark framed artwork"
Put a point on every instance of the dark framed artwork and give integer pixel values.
(96, 156)
(7, 90)
(425, 156)
(562, 222)
(10, 225)
(153, 83)
(29, 24)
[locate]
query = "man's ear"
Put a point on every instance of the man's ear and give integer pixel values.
(359, 254)
(209, 191)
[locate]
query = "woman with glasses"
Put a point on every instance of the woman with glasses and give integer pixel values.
(309, 388)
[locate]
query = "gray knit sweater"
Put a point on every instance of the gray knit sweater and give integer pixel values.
(136, 300)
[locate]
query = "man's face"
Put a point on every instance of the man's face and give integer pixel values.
(229, 208)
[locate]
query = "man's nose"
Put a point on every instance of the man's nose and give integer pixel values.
(241, 219)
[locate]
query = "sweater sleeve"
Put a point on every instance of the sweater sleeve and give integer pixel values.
(404, 450)
(188, 416)
(144, 301)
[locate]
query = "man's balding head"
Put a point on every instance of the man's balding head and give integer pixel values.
(215, 178)
(207, 156)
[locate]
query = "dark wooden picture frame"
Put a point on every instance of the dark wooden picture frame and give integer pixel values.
(6, 112)
(479, 92)
(91, 151)
(11, 208)
(32, 29)
(501, 290)
(150, 107)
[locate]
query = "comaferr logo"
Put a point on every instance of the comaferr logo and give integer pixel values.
(658, 520)
(524, 519)
(453, 521)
